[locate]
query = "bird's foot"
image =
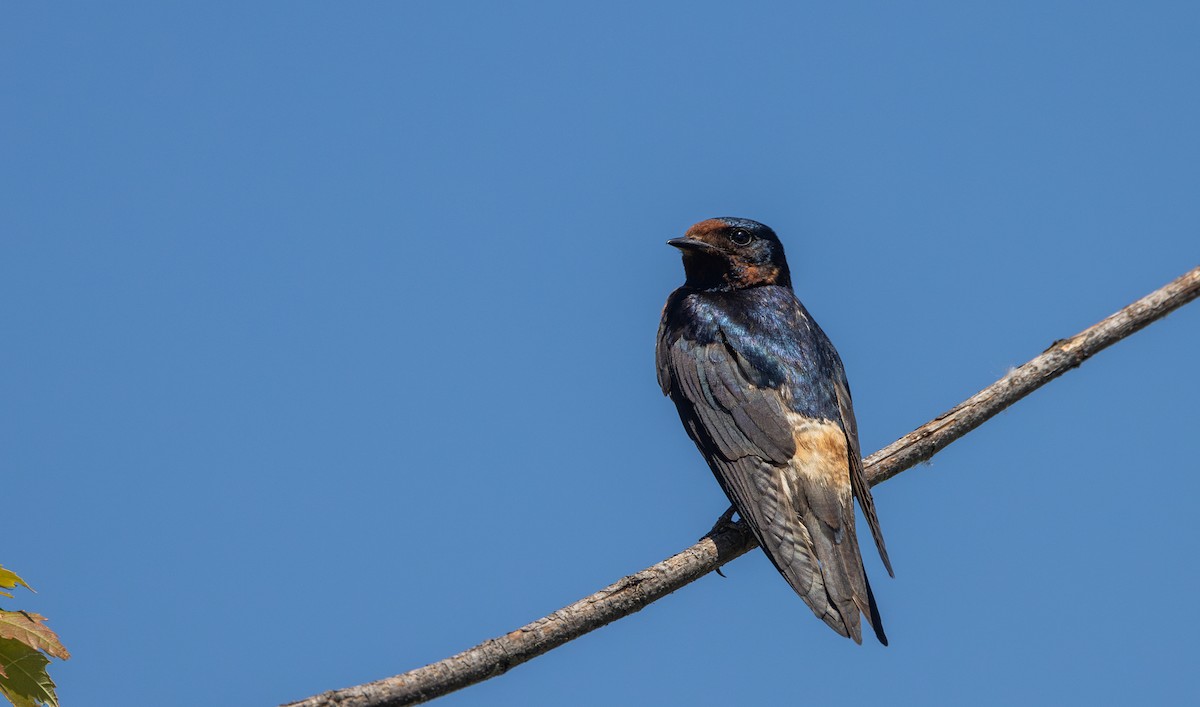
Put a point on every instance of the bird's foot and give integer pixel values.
(725, 522)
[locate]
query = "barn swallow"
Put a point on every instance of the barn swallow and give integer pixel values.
(762, 392)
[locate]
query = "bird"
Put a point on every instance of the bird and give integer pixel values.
(762, 392)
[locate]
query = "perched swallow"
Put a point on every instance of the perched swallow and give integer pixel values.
(761, 391)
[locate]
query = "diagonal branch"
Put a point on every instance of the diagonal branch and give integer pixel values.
(630, 594)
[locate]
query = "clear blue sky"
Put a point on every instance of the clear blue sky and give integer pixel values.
(329, 329)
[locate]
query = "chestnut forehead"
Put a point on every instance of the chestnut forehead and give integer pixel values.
(707, 230)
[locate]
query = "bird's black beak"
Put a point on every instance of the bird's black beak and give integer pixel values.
(686, 244)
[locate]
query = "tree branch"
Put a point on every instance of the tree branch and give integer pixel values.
(630, 594)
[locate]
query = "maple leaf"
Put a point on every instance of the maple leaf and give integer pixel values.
(28, 628)
(25, 683)
(10, 580)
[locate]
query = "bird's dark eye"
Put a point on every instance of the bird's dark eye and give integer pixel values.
(740, 236)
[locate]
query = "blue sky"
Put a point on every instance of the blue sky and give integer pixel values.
(330, 329)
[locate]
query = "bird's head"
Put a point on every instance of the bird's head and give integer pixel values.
(732, 254)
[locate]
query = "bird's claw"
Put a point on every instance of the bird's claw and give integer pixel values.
(725, 522)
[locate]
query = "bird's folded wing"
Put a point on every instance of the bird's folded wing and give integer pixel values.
(858, 476)
(743, 419)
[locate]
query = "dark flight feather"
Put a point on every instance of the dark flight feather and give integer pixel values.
(858, 475)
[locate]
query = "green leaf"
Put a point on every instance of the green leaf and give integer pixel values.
(28, 628)
(25, 682)
(10, 580)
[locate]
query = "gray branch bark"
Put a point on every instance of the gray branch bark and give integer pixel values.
(630, 594)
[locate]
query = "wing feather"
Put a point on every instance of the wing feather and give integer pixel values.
(858, 475)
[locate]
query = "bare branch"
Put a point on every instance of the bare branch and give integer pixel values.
(630, 594)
